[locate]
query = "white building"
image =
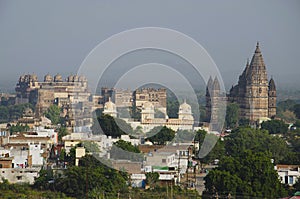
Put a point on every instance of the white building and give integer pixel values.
(288, 174)
(185, 120)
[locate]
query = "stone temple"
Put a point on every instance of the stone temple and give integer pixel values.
(255, 95)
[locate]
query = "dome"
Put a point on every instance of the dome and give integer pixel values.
(48, 78)
(109, 105)
(70, 78)
(58, 78)
(34, 77)
(110, 108)
(76, 78)
(185, 107)
(82, 78)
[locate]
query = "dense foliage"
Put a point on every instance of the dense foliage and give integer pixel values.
(161, 135)
(232, 115)
(248, 175)
(16, 191)
(217, 151)
(110, 126)
(90, 178)
(122, 150)
(18, 128)
(53, 113)
(245, 138)
(13, 112)
(275, 126)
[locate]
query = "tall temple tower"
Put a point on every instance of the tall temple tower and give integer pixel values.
(213, 97)
(254, 94)
(256, 99)
(272, 98)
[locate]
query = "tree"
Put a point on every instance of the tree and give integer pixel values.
(232, 115)
(18, 128)
(275, 126)
(183, 136)
(247, 175)
(53, 113)
(62, 131)
(110, 126)
(89, 177)
(4, 114)
(152, 178)
(256, 140)
(172, 107)
(122, 150)
(161, 135)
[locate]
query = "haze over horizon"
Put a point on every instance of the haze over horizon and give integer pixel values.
(55, 36)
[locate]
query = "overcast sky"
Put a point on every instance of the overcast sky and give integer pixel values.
(55, 36)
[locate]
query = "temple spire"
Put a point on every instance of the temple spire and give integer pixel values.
(257, 50)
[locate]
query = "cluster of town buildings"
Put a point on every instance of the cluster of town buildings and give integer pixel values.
(23, 154)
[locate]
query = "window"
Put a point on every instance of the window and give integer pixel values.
(291, 180)
(163, 160)
(19, 177)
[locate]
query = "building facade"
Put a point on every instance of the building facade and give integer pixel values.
(71, 94)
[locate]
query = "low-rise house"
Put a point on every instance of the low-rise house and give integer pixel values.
(288, 174)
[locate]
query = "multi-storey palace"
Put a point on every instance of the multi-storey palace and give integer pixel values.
(255, 95)
(72, 95)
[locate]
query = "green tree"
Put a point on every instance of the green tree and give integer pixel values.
(172, 107)
(62, 131)
(19, 128)
(53, 113)
(183, 136)
(152, 178)
(275, 126)
(161, 135)
(122, 150)
(110, 126)
(232, 115)
(247, 175)
(127, 146)
(89, 177)
(256, 140)
(4, 114)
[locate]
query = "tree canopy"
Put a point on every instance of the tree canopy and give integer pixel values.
(110, 126)
(256, 140)
(122, 150)
(247, 175)
(53, 113)
(161, 135)
(275, 126)
(91, 177)
(232, 115)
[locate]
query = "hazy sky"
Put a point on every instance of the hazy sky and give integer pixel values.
(55, 36)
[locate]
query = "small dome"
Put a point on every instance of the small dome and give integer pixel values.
(76, 78)
(109, 105)
(82, 78)
(185, 107)
(48, 78)
(70, 78)
(34, 77)
(58, 78)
